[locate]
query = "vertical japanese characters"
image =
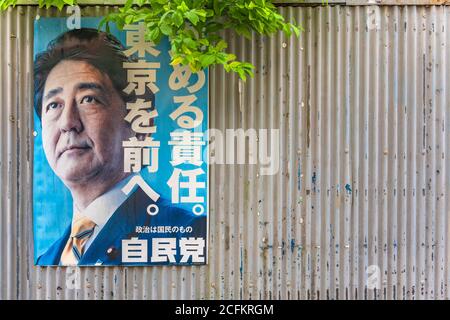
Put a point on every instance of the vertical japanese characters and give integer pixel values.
(187, 141)
(188, 180)
(141, 76)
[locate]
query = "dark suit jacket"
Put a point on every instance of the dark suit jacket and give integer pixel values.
(106, 247)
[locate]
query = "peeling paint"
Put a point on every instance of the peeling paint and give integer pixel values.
(348, 188)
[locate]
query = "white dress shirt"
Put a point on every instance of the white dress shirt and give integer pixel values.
(101, 209)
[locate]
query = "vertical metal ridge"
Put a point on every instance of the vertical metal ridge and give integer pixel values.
(11, 179)
(446, 168)
(413, 190)
(3, 73)
(385, 86)
(355, 154)
(440, 158)
(308, 155)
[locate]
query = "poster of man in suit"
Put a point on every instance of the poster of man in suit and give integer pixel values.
(120, 173)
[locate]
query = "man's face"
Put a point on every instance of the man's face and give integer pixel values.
(82, 123)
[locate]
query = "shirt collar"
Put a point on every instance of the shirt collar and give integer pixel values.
(103, 207)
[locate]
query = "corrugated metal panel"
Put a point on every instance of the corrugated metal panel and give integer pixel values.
(276, 2)
(360, 101)
(396, 2)
(122, 2)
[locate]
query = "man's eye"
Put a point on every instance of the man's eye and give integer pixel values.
(52, 106)
(89, 99)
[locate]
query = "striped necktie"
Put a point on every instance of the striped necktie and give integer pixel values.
(82, 230)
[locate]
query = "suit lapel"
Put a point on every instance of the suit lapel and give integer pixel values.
(53, 254)
(120, 226)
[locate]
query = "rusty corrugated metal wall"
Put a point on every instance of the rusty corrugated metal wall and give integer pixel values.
(361, 101)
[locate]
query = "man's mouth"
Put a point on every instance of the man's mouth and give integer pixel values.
(73, 149)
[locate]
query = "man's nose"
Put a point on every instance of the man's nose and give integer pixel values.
(70, 118)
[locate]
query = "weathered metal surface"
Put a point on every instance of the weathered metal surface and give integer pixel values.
(396, 2)
(361, 101)
(277, 2)
(122, 2)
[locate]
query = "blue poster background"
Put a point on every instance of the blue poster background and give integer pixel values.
(52, 202)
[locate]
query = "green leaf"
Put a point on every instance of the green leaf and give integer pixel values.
(166, 29)
(57, 3)
(230, 57)
(4, 4)
(241, 74)
(203, 42)
(177, 18)
(199, 12)
(209, 13)
(183, 7)
(243, 30)
(296, 30)
(216, 6)
(192, 17)
(176, 61)
(190, 43)
(154, 34)
(52, 3)
(207, 59)
(129, 19)
(221, 45)
(234, 64)
(103, 22)
(194, 27)
(128, 5)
